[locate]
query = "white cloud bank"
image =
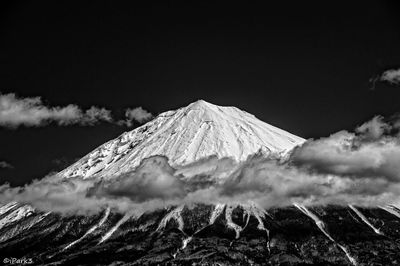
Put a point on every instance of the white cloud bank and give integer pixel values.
(358, 167)
(154, 184)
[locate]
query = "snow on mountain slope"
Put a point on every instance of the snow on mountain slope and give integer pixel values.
(91, 230)
(15, 215)
(186, 135)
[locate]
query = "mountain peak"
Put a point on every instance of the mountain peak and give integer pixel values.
(205, 111)
(201, 104)
(186, 135)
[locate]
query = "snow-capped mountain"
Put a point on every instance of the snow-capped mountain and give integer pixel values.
(186, 135)
(226, 233)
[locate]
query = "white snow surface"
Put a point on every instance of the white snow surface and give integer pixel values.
(5, 208)
(16, 215)
(186, 135)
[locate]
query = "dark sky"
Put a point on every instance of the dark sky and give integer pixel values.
(303, 67)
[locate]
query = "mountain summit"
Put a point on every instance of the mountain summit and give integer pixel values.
(188, 134)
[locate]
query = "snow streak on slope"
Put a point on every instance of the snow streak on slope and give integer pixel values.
(258, 213)
(218, 209)
(7, 207)
(321, 225)
(115, 227)
(175, 214)
(351, 259)
(365, 220)
(186, 135)
(230, 223)
(317, 221)
(390, 210)
(247, 215)
(248, 211)
(186, 242)
(92, 229)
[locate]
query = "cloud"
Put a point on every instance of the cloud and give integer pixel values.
(154, 178)
(31, 112)
(137, 114)
(359, 167)
(270, 184)
(370, 152)
(391, 76)
(54, 194)
(155, 184)
(374, 129)
(4, 164)
(95, 114)
(151, 186)
(259, 179)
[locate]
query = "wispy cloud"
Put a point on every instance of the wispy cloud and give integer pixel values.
(4, 164)
(32, 112)
(391, 76)
(137, 114)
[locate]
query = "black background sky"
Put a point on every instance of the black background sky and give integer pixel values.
(302, 67)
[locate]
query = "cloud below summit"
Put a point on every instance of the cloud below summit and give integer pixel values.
(372, 151)
(155, 184)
